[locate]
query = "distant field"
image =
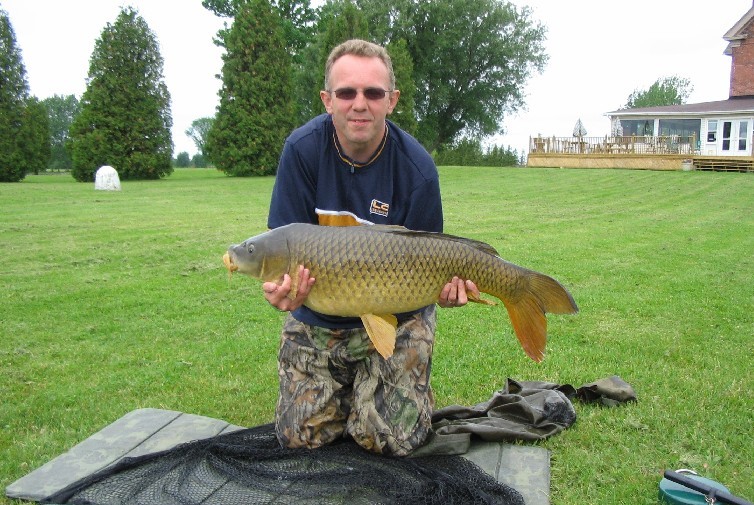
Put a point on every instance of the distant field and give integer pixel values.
(113, 301)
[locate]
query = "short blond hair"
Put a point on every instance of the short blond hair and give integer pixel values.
(358, 47)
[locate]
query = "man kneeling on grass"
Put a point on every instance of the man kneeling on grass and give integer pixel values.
(352, 166)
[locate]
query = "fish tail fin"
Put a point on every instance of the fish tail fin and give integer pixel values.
(554, 298)
(527, 312)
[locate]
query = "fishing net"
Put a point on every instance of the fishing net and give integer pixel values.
(249, 467)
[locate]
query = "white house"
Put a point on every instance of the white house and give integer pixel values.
(705, 136)
(722, 128)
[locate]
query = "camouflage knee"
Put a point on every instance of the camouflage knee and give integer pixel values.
(392, 408)
(313, 403)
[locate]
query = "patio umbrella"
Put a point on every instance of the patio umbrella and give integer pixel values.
(578, 129)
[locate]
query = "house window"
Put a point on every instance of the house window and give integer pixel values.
(743, 135)
(712, 130)
(681, 127)
(727, 126)
(637, 127)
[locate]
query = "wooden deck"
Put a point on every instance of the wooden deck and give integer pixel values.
(634, 161)
(619, 145)
(631, 152)
(723, 164)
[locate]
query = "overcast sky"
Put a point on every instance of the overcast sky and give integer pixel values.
(600, 52)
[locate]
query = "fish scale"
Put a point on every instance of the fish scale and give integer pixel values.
(375, 271)
(363, 271)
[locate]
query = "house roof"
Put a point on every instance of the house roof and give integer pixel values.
(737, 104)
(737, 33)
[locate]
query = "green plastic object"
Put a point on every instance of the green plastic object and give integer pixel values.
(672, 493)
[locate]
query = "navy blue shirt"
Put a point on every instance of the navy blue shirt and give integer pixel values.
(316, 183)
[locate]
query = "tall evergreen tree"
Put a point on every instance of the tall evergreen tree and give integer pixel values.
(347, 22)
(61, 111)
(256, 110)
(125, 111)
(342, 21)
(297, 18)
(299, 21)
(14, 93)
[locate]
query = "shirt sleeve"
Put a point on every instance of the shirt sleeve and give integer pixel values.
(425, 208)
(293, 195)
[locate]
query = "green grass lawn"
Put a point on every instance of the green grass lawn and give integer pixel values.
(113, 301)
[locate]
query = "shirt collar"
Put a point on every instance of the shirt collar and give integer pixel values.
(372, 158)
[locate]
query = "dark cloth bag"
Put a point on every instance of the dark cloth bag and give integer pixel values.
(522, 410)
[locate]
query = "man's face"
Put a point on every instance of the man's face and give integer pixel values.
(359, 121)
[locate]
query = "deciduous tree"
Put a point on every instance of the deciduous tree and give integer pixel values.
(198, 132)
(199, 161)
(61, 111)
(35, 136)
(256, 110)
(182, 160)
(125, 115)
(404, 114)
(471, 61)
(672, 90)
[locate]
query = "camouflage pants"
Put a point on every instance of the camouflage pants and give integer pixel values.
(333, 383)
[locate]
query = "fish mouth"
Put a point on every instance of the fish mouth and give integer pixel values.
(228, 262)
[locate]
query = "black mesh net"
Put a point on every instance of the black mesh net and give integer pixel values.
(249, 467)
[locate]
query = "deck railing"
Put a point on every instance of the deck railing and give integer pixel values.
(634, 144)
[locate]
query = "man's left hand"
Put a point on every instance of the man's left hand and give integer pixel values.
(454, 294)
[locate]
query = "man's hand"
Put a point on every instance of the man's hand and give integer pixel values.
(277, 294)
(454, 294)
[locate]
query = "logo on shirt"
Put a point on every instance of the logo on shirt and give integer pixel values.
(379, 208)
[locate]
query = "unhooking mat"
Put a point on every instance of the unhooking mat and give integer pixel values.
(157, 439)
(149, 431)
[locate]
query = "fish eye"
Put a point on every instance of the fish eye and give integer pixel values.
(250, 248)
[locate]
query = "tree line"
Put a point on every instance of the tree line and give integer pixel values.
(122, 119)
(461, 68)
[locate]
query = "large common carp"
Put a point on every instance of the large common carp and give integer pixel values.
(375, 271)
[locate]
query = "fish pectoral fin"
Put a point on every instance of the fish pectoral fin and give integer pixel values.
(381, 330)
(478, 299)
(228, 262)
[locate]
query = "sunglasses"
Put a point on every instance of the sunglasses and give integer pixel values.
(369, 93)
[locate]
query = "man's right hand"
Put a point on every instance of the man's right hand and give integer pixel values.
(277, 294)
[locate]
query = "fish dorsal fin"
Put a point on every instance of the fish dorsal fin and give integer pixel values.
(381, 331)
(476, 244)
